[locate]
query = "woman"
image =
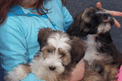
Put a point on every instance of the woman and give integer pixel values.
(19, 44)
(20, 23)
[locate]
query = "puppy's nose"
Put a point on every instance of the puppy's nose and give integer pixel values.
(52, 67)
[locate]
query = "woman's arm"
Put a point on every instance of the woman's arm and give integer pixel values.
(67, 18)
(78, 72)
(66, 15)
(13, 47)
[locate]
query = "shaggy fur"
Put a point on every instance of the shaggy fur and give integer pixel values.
(91, 74)
(93, 27)
(58, 55)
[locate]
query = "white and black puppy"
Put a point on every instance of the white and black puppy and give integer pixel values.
(59, 53)
(93, 27)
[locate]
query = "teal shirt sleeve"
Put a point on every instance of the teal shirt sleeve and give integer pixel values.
(66, 15)
(67, 18)
(31, 77)
(13, 48)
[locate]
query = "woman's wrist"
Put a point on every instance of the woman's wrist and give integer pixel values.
(78, 72)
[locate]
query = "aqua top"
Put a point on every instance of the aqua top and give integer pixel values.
(18, 34)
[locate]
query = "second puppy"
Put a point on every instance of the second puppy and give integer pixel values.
(93, 27)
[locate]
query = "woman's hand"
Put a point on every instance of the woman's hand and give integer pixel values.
(113, 13)
(78, 72)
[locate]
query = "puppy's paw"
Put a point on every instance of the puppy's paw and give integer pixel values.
(18, 73)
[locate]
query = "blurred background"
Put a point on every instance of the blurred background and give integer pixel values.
(76, 6)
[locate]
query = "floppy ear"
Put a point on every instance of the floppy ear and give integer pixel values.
(78, 49)
(43, 35)
(74, 28)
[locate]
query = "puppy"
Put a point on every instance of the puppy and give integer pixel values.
(93, 27)
(59, 53)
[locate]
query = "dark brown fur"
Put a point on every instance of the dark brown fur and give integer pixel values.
(91, 74)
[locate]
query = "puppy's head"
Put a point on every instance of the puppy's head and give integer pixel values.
(91, 21)
(58, 49)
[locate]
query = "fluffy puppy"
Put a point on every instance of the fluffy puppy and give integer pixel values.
(59, 53)
(93, 27)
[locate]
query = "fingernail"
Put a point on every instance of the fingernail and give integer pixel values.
(106, 20)
(121, 14)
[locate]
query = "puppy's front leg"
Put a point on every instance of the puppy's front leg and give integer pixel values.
(18, 73)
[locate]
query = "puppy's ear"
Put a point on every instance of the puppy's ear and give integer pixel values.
(78, 49)
(87, 11)
(78, 18)
(43, 35)
(74, 28)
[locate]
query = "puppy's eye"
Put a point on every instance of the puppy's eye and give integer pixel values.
(91, 14)
(62, 54)
(49, 51)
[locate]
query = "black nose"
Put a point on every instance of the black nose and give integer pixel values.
(52, 67)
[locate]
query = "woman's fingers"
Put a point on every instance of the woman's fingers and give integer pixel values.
(116, 23)
(98, 5)
(113, 13)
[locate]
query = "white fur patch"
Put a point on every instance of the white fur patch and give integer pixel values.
(104, 27)
(91, 51)
(17, 74)
(40, 67)
(102, 12)
(56, 40)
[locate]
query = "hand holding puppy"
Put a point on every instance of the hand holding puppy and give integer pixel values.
(113, 13)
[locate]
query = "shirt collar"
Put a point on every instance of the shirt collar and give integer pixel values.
(17, 10)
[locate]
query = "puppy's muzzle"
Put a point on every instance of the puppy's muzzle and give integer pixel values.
(52, 68)
(104, 16)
